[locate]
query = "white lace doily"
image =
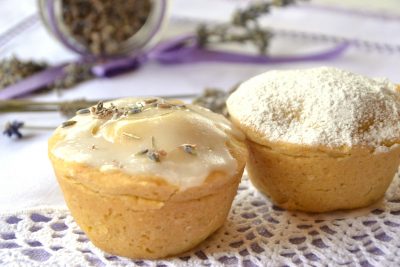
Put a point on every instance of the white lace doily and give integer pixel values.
(256, 234)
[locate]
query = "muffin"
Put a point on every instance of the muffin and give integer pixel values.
(148, 178)
(320, 139)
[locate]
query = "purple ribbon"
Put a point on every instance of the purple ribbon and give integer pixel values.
(186, 49)
(179, 50)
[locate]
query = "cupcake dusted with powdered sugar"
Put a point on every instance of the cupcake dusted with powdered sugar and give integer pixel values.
(321, 139)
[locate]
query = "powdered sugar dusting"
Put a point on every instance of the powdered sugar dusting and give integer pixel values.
(319, 106)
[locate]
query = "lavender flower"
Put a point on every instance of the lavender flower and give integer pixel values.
(12, 129)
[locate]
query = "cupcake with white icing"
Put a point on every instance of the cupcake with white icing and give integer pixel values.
(148, 178)
(320, 139)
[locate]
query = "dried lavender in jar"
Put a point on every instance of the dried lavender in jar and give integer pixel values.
(103, 25)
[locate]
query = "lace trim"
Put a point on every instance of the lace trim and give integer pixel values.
(256, 233)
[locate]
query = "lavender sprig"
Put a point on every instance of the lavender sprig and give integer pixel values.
(13, 128)
(66, 108)
(244, 27)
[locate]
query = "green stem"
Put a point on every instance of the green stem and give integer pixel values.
(43, 106)
(37, 127)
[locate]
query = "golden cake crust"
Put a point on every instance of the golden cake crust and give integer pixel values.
(139, 228)
(319, 181)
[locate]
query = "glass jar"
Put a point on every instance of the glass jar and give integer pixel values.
(53, 14)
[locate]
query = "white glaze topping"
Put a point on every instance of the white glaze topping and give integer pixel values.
(320, 106)
(151, 142)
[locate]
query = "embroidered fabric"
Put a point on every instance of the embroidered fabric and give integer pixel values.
(256, 233)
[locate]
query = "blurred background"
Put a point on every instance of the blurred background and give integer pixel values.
(358, 35)
(373, 22)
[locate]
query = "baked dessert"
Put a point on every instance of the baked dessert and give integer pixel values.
(148, 178)
(320, 139)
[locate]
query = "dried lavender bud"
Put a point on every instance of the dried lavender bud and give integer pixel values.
(153, 155)
(135, 110)
(67, 124)
(83, 111)
(107, 113)
(190, 149)
(150, 101)
(102, 25)
(164, 105)
(100, 106)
